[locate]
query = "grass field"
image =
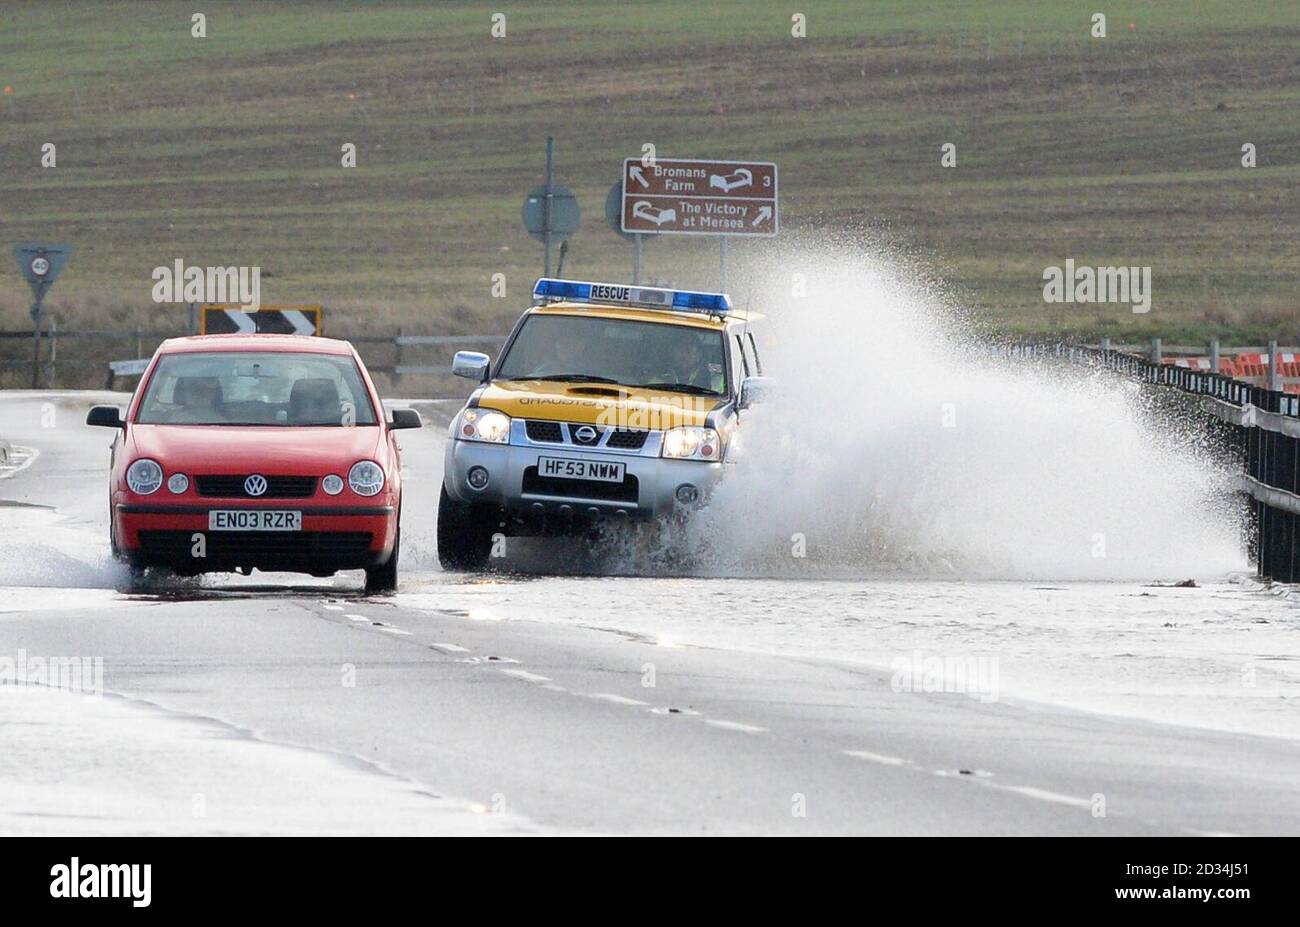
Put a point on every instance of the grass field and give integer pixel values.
(226, 149)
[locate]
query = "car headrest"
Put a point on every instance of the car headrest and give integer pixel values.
(197, 391)
(314, 399)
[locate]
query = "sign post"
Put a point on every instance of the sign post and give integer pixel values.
(614, 216)
(679, 196)
(40, 264)
(550, 213)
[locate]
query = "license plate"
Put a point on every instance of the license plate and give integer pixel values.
(253, 520)
(567, 469)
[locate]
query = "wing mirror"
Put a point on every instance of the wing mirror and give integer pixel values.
(754, 390)
(105, 416)
(405, 418)
(471, 365)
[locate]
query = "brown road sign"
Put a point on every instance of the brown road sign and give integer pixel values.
(675, 196)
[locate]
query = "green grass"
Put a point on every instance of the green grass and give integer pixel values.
(226, 149)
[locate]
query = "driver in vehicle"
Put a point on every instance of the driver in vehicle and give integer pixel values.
(197, 399)
(688, 365)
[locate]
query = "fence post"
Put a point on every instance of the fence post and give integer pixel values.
(1274, 374)
(397, 356)
(1156, 355)
(1214, 355)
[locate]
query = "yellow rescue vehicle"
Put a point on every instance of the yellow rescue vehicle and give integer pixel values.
(609, 401)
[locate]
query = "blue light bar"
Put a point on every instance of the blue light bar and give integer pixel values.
(548, 289)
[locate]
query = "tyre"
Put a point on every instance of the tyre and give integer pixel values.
(464, 533)
(384, 578)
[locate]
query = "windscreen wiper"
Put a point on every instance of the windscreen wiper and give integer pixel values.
(571, 378)
(678, 388)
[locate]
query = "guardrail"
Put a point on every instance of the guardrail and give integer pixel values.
(141, 342)
(1266, 429)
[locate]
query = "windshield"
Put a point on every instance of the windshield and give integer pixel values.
(581, 349)
(256, 388)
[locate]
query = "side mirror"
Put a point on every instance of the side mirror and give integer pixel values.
(754, 390)
(470, 364)
(105, 416)
(406, 418)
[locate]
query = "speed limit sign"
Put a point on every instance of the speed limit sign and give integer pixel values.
(41, 263)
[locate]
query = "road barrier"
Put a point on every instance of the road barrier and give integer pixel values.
(1264, 429)
(122, 351)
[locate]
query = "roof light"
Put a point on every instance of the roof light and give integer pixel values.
(549, 289)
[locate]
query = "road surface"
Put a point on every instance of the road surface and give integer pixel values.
(517, 703)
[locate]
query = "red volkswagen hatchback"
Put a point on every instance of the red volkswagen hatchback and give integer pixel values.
(270, 452)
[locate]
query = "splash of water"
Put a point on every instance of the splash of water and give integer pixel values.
(893, 447)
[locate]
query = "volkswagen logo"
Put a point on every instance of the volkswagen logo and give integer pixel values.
(585, 435)
(255, 485)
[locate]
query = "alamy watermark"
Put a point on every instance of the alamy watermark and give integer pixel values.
(1071, 284)
(77, 674)
(968, 674)
(181, 284)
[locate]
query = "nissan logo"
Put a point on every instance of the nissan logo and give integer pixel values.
(255, 485)
(585, 435)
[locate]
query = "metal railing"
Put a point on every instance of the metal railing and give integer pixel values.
(139, 344)
(1265, 427)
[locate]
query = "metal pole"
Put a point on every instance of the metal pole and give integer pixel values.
(1214, 355)
(722, 261)
(54, 354)
(550, 196)
(1274, 375)
(1156, 353)
(37, 310)
(636, 258)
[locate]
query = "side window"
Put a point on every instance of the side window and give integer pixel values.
(740, 350)
(753, 347)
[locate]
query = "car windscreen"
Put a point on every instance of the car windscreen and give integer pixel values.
(256, 388)
(586, 349)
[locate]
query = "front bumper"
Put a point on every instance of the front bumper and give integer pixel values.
(332, 538)
(649, 489)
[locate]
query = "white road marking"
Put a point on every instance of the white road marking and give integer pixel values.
(388, 629)
(736, 726)
(32, 453)
(357, 617)
(617, 699)
(1043, 795)
(878, 758)
(525, 675)
(333, 608)
(450, 648)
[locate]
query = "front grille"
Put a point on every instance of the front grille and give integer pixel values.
(277, 487)
(625, 491)
(543, 431)
(627, 440)
(254, 546)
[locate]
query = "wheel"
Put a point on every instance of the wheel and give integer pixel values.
(384, 578)
(464, 533)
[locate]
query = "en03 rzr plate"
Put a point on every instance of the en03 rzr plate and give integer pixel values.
(566, 468)
(253, 520)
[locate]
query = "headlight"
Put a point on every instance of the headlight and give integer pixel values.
(332, 484)
(177, 483)
(692, 442)
(366, 477)
(144, 476)
(483, 425)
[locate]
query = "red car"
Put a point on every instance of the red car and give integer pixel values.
(256, 451)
